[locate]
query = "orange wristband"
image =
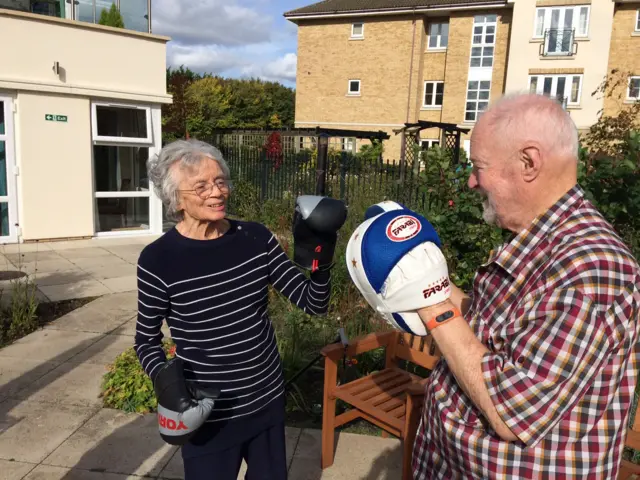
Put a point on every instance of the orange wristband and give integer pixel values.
(443, 318)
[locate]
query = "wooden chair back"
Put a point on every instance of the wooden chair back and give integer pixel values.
(421, 351)
(628, 470)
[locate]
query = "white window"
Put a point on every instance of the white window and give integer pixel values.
(562, 20)
(633, 91)
(122, 143)
(638, 20)
(357, 30)
(427, 143)
(118, 123)
(477, 99)
(354, 87)
(433, 93)
(438, 35)
(566, 88)
(483, 41)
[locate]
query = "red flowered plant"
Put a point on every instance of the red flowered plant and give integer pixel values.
(273, 149)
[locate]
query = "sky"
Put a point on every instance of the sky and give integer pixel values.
(230, 38)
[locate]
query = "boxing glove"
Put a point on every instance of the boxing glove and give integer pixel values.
(395, 261)
(316, 221)
(182, 409)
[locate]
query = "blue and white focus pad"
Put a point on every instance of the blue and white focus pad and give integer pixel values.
(384, 206)
(394, 259)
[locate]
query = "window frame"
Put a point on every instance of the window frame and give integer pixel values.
(354, 36)
(568, 85)
(637, 26)
(477, 100)
(546, 20)
(483, 43)
(148, 140)
(435, 95)
(439, 36)
(354, 94)
(629, 97)
(430, 142)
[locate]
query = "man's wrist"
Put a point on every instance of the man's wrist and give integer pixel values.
(438, 314)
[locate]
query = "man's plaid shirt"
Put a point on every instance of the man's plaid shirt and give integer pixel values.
(558, 308)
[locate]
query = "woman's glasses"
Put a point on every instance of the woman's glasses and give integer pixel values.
(203, 190)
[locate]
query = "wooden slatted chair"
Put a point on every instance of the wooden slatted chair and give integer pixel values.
(628, 470)
(390, 399)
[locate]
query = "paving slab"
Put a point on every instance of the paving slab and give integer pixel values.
(68, 384)
(25, 247)
(88, 252)
(356, 457)
(105, 350)
(115, 442)
(7, 296)
(128, 283)
(175, 469)
(46, 266)
(50, 345)
(48, 472)
(19, 374)
(12, 470)
(61, 277)
(28, 257)
(121, 301)
(30, 431)
(120, 250)
(94, 263)
(91, 318)
(121, 269)
(84, 288)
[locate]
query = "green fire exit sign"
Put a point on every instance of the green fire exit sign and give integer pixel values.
(50, 117)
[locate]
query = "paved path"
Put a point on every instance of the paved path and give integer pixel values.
(76, 269)
(52, 425)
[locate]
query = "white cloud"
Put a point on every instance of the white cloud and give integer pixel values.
(203, 58)
(283, 68)
(221, 22)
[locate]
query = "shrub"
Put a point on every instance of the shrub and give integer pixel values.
(19, 317)
(127, 387)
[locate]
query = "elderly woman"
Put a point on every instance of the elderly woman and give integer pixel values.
(208, 278)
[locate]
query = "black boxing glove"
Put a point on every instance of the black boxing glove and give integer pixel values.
(182, 409)
(316, 222)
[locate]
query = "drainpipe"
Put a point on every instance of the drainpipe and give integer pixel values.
(403, 145)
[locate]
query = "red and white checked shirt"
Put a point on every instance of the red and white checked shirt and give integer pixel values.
(557, 307)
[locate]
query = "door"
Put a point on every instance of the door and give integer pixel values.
(560, 32)
(8, 211)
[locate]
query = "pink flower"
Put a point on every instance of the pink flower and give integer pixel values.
(451, 203)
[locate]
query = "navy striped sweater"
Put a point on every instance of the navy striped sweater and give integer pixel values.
(213, 294)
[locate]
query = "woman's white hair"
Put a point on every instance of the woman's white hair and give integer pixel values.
(187, 153)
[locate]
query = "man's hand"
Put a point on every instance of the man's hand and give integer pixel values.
(463, 353)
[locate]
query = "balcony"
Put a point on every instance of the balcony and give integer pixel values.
(135, 13)
(559, 42)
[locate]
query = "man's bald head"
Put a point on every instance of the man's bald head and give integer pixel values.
(525, 150)
(517, 119)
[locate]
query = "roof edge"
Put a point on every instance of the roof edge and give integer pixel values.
(398, 10)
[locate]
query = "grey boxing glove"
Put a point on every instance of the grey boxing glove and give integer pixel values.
(182, 409)
(316, 222)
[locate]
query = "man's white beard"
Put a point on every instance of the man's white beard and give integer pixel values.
(489, 213)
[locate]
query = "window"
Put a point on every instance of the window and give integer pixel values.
(483, 41)
(565, 88)
(477, 99)
(559, 19)
(357, 30)
(354, 87)
(426, 144)
(638, 20)
(117, 123)
(433, 93)
(633, 92)
(438, 35)
(122, 143)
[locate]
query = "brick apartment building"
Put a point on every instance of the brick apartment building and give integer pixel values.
(380, 64)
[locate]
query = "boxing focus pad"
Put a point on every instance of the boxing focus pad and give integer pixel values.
(316, 221)
(182, 409)
(394, 259)
(384, 206)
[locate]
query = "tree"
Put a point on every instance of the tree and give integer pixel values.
(611, 134)
(112, 17)
(208, 102)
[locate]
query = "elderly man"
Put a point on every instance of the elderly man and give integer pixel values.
(538, 368)
(540, 371)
